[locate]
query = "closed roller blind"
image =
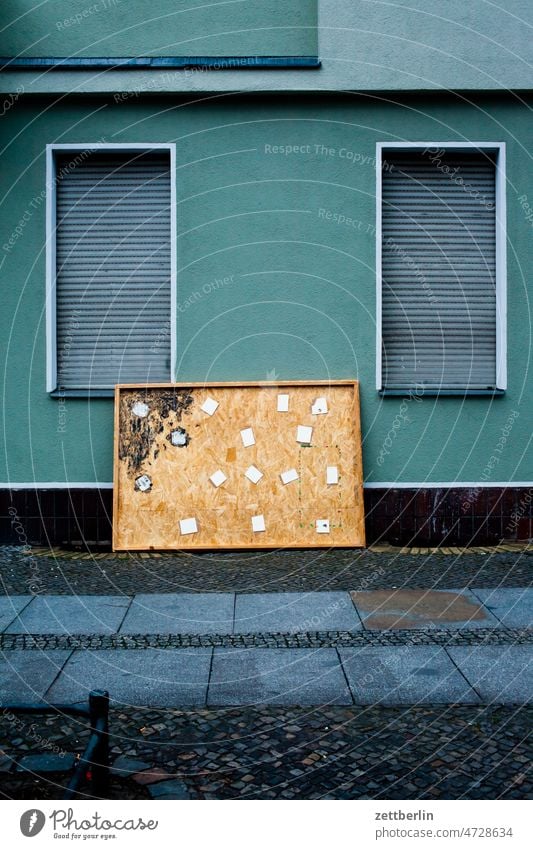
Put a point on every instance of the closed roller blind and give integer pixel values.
(112, 269)
(439, 271)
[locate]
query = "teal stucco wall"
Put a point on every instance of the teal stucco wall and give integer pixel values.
(86, 28)
(269, 286)
(364, 45)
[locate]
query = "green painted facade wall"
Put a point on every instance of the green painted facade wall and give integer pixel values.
(269, 286)
(363, 45)
(159, 28)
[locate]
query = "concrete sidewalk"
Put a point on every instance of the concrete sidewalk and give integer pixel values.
(321, 671)
(247, 613)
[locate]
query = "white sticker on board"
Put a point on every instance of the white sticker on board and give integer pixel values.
(258, 523)
(188, 526)
(304, 434)
(283, 403)
(320, 407)
(289, 476)
(322, 526)
(143, 483)
(209, 406)
(140, 409)
(178, 437)
(218, 478)
(247, 436)
(332, 474)
(253, 474)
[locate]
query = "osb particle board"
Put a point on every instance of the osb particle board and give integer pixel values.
(179, 475)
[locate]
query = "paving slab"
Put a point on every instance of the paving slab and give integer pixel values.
(406, 609)
(25, 676)
(513, 606)
(125, 765)
(151, 677)
(277, 677)
(295, 612)
(63, 614)
(151, 775)
(42, 763)
(174, 789)
(404, 675)
(10, 606)
(180, 613)
(500, 674)
(6, 763)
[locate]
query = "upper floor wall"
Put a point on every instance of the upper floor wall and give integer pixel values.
(364, 45)
(131, 28)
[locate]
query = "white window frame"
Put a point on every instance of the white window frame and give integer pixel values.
(51, 291)
(501, 246)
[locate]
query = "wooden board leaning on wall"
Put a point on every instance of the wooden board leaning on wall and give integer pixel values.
(185, 476)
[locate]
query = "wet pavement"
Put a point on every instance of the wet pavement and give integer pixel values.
(68, 573)
(332, 752)
(357, 675)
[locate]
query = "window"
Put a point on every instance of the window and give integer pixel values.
(441, 267)
(110, 266)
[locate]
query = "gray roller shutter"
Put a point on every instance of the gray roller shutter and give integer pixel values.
(439, 271)
(112, 269)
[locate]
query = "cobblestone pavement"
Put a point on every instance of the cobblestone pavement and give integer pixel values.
(430, 752)
(53, 787)
(314, 639)
(271, 571)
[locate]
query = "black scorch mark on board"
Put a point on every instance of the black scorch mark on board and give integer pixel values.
(137, 435)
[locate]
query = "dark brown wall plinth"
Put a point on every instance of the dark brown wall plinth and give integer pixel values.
(410, 517)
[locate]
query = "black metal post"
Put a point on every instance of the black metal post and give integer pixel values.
(99, 718)
(93, 765)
